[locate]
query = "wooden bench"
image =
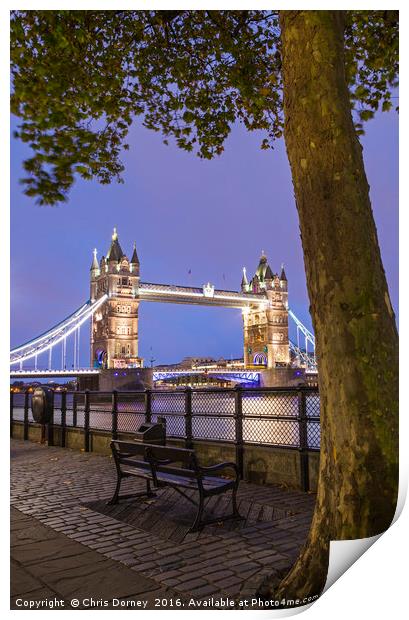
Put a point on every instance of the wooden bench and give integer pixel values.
(177, 468)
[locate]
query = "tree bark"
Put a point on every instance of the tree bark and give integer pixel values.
(356, 335)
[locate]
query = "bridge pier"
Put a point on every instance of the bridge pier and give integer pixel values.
(125, 379)
(88, 382)
(282, 377)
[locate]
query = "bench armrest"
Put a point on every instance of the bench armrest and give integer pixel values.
(220, 466)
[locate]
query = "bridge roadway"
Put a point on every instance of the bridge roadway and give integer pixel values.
(73, 372)
(205, 296)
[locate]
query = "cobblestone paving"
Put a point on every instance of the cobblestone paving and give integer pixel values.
(59, 487)
(51, 571)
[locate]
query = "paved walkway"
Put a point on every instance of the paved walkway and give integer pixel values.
(68, 544)
(48, 569)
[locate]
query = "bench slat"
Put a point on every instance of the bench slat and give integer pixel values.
(209, 482)
(137, 473)
(135, 463)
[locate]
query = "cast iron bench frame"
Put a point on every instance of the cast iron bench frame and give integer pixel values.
(178, 468)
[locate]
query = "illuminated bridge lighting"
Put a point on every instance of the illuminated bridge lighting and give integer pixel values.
(15, 374)
(206, 296)
(34, 348)
(257, 305)
(229, 375)
(113, 337)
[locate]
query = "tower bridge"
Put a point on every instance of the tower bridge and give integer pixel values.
(116, 291)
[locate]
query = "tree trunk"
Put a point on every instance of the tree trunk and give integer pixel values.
(356, 336)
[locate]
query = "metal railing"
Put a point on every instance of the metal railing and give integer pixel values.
(279, 417)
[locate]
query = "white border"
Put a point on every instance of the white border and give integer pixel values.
(376, 585)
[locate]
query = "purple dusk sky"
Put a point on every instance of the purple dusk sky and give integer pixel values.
(185, 214)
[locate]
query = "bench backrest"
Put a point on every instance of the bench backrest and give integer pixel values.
(178, 461)
(129, 452)
(128, 448)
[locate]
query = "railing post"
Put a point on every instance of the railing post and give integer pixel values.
(50, 425)
(302, 425)
(86, 420)
(188, 418)
(63, 417)
(74, 409)
(114, 429)
(25, 435)
(238, 415)
(148, 405)
(11, 412)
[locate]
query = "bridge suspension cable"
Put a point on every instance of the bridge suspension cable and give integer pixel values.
(57, 334)
(301, 327)
(304, 356)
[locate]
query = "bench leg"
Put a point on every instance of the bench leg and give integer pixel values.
(234, 502)
(197, 524)
(115, 496)
(149, 491)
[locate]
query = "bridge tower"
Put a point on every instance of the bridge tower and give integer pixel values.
(114, 328)
(265, 325)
